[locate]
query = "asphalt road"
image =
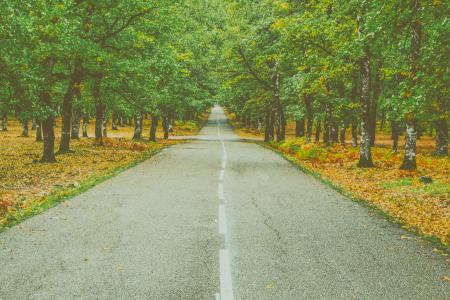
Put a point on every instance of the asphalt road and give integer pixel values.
(216, 218)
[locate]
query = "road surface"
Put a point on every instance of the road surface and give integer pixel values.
(216, 218)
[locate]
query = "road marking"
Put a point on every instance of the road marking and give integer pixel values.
(220, 191)
(226, 288)
(221, 175)
(222, 220)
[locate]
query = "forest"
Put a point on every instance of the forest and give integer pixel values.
(326, 72)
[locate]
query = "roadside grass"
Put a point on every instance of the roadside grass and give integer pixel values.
(28, 187)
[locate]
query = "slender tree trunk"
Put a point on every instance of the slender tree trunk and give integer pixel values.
(309, 117)
(317, 138)
(365, 157)
(343, 132)
(137, 126)
(48, 131)
(355, 133)
(38, 131)
(165, 123)
(269, 131)
(335, 132)
(85, 124)
(300, 128)
(33, 124)
(409, 161)
(74, 82)
(327, 125)
(121, 121)
(394, 134)
(114, 120)
(374, 107)
(105, 123)
(99, 111)
(4, 121)
(442, 136)
(76, 124)
(154, 127)
(25, 128)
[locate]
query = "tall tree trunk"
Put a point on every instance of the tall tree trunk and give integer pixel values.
(343, 132)
(154, 127)
(74, 82)
(38, 131)
(327, 125)
(25, 128)
(374, 106)
(335, 132)
(137, 126)
(309, 117)
(442, 136)
(76, 124)
(269, 131)
(300, 128)
(85, 124)
(394, 134)
(4, 120)
(48, 131)
(121, 121)
(33, 124)
(365, 155)
(105, 123)
(114, 120)
(165, 124)
(317, 138)
(354, 132)
(409, 160)
(99, 110)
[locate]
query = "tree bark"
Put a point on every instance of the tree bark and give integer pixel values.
(105, 123)
(48, 131)
(354, 133)
(114, 121)
(76, 124)
(74, 82)
(38, 131)
(85, 124)
(300, 128)
(269, 131)
(309, 117)
(365, 155)
(99, 110)
(394, 134)
(165, 123)
(25, 128)
(327, 125)
(442, 136)
(153, 128)
(343, 132)
(137, 126)
(409, 161)
(317, 138)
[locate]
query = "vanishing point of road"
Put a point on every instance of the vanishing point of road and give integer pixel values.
(216, 218)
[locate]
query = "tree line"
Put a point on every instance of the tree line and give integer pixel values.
(102, 59)
(335, 65)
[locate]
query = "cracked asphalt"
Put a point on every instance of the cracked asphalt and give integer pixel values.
(152, 233)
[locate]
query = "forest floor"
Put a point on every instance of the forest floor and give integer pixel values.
(28, 186)
(401, 195)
